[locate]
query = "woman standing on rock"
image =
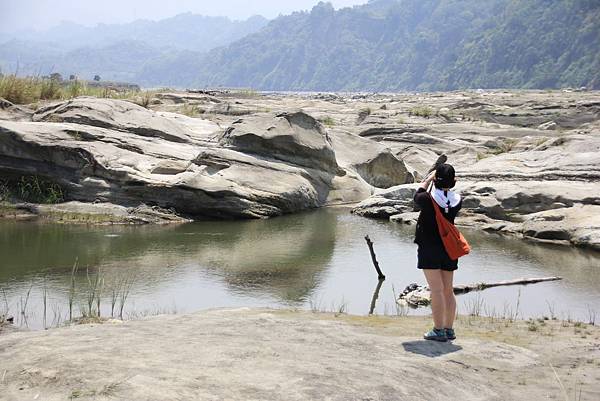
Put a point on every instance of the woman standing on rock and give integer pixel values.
(432, 256)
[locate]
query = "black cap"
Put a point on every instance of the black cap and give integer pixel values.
(445, 176)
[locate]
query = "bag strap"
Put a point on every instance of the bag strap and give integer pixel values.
(435, 206)
(438, 214)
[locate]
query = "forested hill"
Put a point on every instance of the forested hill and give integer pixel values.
(416, 45)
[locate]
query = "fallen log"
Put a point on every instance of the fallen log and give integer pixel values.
(463, 289)
(416, 295)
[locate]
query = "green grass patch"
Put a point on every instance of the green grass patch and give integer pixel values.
(363, 114)
(366, 111)
(505, 146)
(248, 92)
(327, 121)
(32, 189)
(481, 156)
(191, 110)
(421, 111)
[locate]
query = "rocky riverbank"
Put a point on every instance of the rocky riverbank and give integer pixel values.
(246, 354)
(261, 165)
(528, 161)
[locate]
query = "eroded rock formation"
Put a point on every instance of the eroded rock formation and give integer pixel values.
(113, 151)
(527, 161)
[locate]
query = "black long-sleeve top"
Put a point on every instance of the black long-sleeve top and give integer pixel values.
(427, 233)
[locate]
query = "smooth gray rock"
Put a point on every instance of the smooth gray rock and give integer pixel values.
(574, 157)
(291, 137)
(266, 166)
(388, 202)
(510, 199)
(182, 98)
(117, 115)
(578, 225)
(418, 160)
(372, 161)
(501, 199)
(12, 112)
(509, 166)
(550, 125)
(559, 211)
(408, 218)
(229, 109)
(105, 213)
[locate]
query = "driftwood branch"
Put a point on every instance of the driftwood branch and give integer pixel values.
(375, 296)
(416, 295)
(463, 289)
(374, 258)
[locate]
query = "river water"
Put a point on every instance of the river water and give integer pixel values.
(314, 260)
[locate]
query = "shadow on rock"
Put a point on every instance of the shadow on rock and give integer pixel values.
(431, 349)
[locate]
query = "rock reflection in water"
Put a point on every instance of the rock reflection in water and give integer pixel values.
(318, 256)
(579, 267)
(283, 257)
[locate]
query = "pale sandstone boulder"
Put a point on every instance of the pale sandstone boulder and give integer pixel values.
(104, 213)
(201, 129)
(388, 202)
(574, 157)
(290, 137)
(559, 211)
(117, 152)
(12, 112)
(408, 218)
(113, 114)
(372, 161)
(511, 199)
(499, 199)
(578, 225)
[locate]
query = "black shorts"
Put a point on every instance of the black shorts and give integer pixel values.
(432, 257)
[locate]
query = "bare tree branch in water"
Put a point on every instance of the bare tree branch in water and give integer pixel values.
(374, 258)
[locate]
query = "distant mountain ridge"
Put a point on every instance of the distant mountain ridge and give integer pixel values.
(418, 45)
(384, 45)
(118, 51)
(185, 31)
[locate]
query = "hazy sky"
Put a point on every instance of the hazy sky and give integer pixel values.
(40, 14)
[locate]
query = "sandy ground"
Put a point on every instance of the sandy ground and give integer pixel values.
(258, 354)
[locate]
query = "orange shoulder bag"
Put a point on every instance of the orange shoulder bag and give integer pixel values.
(456, 245)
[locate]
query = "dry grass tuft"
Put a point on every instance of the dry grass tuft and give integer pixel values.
(29, 90)
(421, 111)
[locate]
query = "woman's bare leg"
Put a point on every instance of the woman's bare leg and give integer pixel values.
(436, 287)
(449, 299)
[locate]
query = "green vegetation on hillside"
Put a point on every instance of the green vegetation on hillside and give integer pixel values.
(384, 45)
(418, 45)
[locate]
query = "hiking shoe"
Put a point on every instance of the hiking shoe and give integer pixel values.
(450, 334)
(436, 335)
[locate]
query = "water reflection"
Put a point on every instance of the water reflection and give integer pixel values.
(578, 266)
(293, 260)
(284, 256)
